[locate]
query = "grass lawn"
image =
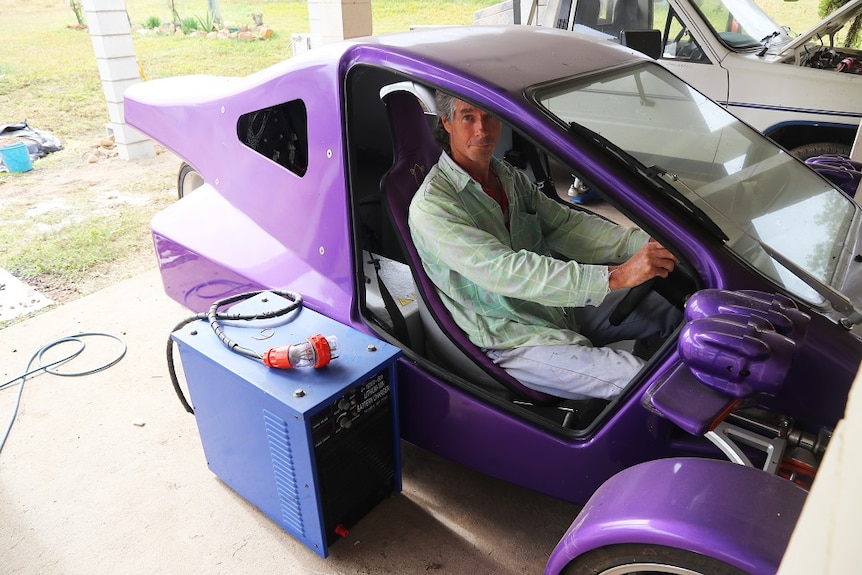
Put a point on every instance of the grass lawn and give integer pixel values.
(800, 15)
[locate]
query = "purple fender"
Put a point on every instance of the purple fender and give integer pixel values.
(739, 515)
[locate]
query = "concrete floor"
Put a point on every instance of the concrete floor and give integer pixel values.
(85, 488)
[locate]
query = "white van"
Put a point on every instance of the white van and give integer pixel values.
(733, 52)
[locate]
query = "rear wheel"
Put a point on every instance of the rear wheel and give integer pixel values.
(188, 180)
(820, 148)
(634, 558)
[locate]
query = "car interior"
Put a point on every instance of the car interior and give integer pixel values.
(390, 149)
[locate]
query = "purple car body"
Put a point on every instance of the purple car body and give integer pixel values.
(758, 341)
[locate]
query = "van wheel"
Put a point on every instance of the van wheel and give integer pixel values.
(636, 558)
(819, 148)
(188, 180)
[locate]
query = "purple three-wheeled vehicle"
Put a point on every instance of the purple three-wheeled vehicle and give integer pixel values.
(298, 177)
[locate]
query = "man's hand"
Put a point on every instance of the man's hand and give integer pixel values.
(651, 260)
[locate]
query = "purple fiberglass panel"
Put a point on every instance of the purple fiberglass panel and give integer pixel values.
(465, 429)
(683, 399)
(193, 280)
(822, 371)
(255, 220)
(739, 515)
(736, 357)
(730, 352)
(780, 311)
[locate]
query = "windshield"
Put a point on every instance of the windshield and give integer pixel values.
(755, 192)
(741, 24)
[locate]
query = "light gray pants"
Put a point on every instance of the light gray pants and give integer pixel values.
(580, 371)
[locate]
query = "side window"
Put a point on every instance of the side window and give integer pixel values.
(678, 43)
(614, 16)
(280, 133)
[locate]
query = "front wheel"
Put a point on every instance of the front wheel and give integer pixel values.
(641, 559)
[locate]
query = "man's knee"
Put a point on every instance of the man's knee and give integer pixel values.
(666, 315)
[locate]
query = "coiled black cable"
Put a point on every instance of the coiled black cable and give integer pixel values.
(213, 316)
(49, 368)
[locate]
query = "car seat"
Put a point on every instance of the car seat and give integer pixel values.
(587, 13)
(415, 152)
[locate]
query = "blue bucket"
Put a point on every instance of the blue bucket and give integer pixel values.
(16, 157)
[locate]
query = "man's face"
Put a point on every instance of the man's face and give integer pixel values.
(473, 133)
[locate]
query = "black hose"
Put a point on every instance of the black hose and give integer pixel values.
(214, 317)
(49, 368)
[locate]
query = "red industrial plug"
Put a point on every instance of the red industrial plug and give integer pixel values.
(316, 351)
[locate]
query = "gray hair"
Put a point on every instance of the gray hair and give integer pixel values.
(446, 106)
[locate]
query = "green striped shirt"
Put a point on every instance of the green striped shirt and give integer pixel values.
(501, 285)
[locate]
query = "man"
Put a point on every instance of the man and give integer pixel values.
(485, 235)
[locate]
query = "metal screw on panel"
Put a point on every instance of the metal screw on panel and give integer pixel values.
(329, 153)
(299, 392)
(322, 250)
(372, 347)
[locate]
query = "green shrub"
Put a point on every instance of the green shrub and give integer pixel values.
(152, 22)
(207, 23)
(826, 7)
(189, 24)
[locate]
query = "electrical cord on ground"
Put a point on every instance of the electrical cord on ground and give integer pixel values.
(213, 316)
(49, 368)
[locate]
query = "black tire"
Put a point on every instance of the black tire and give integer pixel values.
(636, 558)
(818, 149)
(188, 180)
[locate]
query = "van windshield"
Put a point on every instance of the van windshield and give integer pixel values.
(741, 24)
(753, 190)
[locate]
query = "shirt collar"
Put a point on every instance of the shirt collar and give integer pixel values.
(457, 175)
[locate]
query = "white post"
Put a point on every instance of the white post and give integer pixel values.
(111, 35)
(856, 154)
(856, 150)
(334, 20)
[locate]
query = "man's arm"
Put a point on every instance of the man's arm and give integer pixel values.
(581, 236)
(652, 260)
(588, 238)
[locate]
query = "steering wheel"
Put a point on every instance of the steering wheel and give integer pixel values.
(675, 288)
(631, 300)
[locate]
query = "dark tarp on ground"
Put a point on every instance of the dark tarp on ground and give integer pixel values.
(39, 142)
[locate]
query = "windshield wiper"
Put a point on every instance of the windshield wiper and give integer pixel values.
(766, 40)
(654, 174)
(839, 302)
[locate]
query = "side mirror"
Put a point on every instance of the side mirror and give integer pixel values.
(646, 41)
